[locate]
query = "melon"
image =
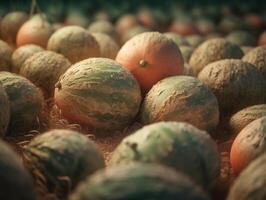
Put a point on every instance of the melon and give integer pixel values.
(195, 40)
(147, 18)
(262, 39)
(251, 182)
(99, 93)
(205, 26)
(15, 181)
(230, 23)
(138, 181)
(5, 56)
(257, 57)
(60, 159)
(228, 80)
(125, 22)
(249, 144)
(186, 52)
(44, 69)
(75, 43)
(181, 98)
(103, 26)
(177, 38)
(213, 50)
(131, 32)
(25, 103)
(108, 46)
(4, 111)
(152, 55)
(242, 38)
(21, 54)
(245, 116)
(183, 27)
(175, 144)
(10, 25)
(36, 30)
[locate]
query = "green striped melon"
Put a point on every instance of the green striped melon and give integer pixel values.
(59, 155)
(99, 93)
(181, 98)
(25, 102)
(4, 111)
(175, 144)
(138, 181)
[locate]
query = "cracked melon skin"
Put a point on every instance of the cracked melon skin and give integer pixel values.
(21, 54)
(75, 43)
(62, 155)
(98, 93)
(44, 69)
(251, 182)
(245, 116)
(15, 182)
(181, 98)
(138, 181)
(228, 81)
(26, 102)
(4, 111)
(5, 56)
(174, 144)
(257, 57)
(213, 50)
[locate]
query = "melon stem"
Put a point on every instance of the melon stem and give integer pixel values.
(143, 63)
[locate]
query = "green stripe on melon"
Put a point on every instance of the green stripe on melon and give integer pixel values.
(99, 93)
(181, 98)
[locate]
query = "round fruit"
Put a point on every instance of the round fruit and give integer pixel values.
(251, 182)
(178, 39)
(257, 57)
(262, 39)
(131, 32)
(254, 20)
(21, 54)
(186, 52)
(138, 181)
(181, 98)
(230, 23)
(75, 43)
(59, 155)
(99, 93)
(242, 38)
(103, 26)
(25, 102)
(108, 46)
(205, 26)
(5, 56)
(242, 118)
(44, 69)
(152, 55)
(228, 81)
(4, 111)
(15, 182)
(35, 31)
(249, 144)
(147, 18)
(183, 27)
(174, 144)
(213, 50)
(195, 40)
(125, 22)
(10, 25)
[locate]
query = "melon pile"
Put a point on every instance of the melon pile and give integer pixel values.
(115, 101)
